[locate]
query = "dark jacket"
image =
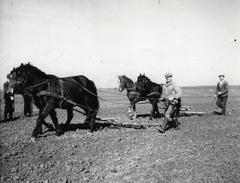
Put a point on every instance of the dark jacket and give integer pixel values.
(223, 89)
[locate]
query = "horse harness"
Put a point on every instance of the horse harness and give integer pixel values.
(61, 97)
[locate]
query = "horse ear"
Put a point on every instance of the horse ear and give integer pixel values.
(143, 74)
(140, 74)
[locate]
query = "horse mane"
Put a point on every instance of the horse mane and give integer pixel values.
(126, 78)
(32, 69)
(145, 77)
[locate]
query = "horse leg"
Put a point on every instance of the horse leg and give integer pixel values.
(133, 105)
(93, 115)
(135, 113)
(42, 115)
(130, 111)
(156, 109)
(69, 118)
(53, 116)
(88, 117)
(48, 125)
(152, 110)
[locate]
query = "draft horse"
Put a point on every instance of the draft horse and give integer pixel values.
(50, 92)
(151, 91)
(127, 84)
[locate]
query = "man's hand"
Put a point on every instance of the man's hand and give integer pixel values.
(174, 101)
(219, 93)
(162, 99)
(170, 98)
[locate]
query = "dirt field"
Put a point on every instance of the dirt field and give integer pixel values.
(205, 149)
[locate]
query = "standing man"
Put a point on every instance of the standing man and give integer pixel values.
(28, 105)
(171, 94)
(9, 99)
(222, 94)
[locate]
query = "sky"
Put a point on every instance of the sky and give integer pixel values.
(101, 39)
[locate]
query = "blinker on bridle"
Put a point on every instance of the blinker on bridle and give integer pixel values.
(23, 82)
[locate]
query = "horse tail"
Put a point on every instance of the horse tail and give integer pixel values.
(95, 101)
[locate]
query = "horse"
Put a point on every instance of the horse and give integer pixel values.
(151, 91)
(133, 96)
(50, 92)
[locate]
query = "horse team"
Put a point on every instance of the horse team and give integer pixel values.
(50, 92)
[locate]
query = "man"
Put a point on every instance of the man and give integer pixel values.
(9, 99)
(28, 105)
(222, 94)
(171, 94)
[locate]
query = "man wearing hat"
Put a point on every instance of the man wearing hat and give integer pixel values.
(222, 94)
(9, 99)
(171, 95)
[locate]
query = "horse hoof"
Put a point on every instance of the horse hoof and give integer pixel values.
(59, 133)
(131, 117)
(33, 139)
(50, 127)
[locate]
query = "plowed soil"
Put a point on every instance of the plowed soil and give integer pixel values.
(205, 149)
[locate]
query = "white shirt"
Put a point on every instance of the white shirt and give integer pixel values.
(220, 83)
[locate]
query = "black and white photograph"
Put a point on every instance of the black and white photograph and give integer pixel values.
(125, 91)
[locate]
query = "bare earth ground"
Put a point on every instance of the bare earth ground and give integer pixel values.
(205, 149)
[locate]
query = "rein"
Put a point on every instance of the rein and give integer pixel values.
(21, 82)
(142, 86)
(123, 85)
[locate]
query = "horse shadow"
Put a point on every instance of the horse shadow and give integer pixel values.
(155, 116)
(85, 126)
(9, 120)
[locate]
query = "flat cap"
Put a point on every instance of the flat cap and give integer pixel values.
(168, 75)
(8, 75)
(221, 75)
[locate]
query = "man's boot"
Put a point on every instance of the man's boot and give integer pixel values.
(177, 127)
(162, 128)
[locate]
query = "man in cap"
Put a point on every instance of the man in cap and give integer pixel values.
(171, 94)
(9, 99)
(221, 94)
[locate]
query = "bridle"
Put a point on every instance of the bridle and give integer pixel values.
(121, 85)
(23, 82)
(143, 84)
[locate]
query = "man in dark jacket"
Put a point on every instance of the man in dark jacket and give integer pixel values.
(221, 94)
(9, 100)
(28, 106)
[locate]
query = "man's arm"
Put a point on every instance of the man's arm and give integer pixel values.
(217, 89)
(163, 95)
(177, 90)
(226, 88)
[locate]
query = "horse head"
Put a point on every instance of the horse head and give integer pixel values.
(142, 82)
(122, 83)
(19, 78)
(23, 77)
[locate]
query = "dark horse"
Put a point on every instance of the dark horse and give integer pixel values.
(50, 92)
(133, 96)
(151, 91)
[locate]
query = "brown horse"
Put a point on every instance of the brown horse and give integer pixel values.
(133, 96)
